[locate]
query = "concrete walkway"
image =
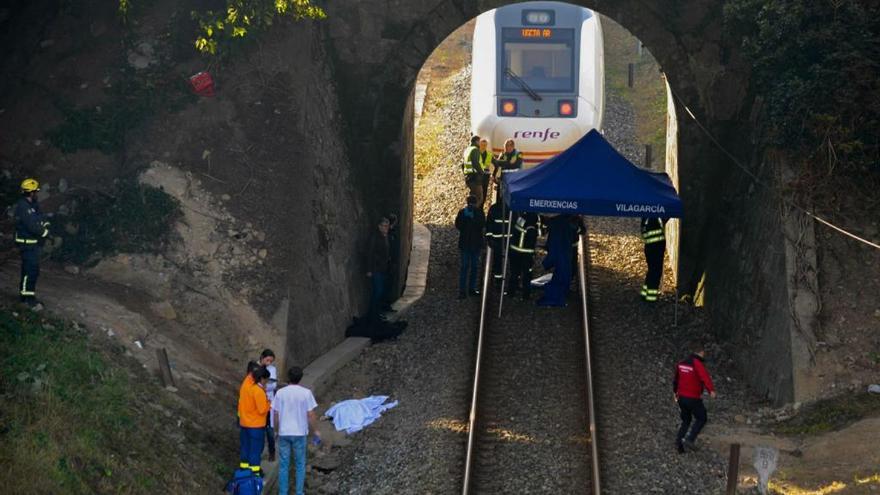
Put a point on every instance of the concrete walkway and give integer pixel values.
(319, 374)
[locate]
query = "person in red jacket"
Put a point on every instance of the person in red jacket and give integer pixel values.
(691, 378)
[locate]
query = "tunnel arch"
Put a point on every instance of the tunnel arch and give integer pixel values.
(380, 46)
(731, 236)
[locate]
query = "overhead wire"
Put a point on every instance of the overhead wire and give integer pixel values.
(755, 178)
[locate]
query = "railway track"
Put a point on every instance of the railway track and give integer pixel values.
(531, 425)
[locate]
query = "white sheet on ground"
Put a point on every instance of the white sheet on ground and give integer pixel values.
(542, 280)
(355, 414)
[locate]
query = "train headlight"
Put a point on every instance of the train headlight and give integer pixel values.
(566, 108)
(508, 107)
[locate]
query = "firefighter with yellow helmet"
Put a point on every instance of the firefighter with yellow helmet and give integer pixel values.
(31, 232)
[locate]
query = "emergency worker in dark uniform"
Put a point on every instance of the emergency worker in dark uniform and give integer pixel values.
(654, 237)
(473, 170)
(691, 379)
(509, 161)
(496, 236)
(31, 231)
(524, 237)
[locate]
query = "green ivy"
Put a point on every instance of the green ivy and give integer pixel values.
(816, 64)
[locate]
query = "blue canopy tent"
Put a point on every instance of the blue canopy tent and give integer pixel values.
(589, 178)
(592, 178)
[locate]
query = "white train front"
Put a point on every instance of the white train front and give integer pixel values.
(538, 77)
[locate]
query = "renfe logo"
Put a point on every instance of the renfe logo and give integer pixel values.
(542, 135)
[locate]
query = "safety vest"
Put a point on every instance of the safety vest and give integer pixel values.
(526, 235)
(511, 160)
(485, 161)
(466, 165)
(652, 230)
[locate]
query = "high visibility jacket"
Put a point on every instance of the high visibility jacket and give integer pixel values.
(485, 161)
(496, 222)
(508, 161)
(470, 163)
(253, 406)
(653, 230)
(691, 378)
(525, 233)
(30, 227)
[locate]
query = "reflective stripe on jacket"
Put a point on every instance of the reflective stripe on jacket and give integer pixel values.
(653, 230)
(496, 222)
(525, 233)
(30, 229)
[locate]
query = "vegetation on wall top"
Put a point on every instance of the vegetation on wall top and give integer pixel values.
(817, 66)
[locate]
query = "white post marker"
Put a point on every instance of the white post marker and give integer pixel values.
(765, 463)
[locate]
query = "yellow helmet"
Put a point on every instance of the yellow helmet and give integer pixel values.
(30, 185)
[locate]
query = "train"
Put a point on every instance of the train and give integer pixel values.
(538, 77)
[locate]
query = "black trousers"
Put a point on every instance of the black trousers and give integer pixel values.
(654, 253)
(497, 260)
(30, 271)
(690, 409)
(521, 272)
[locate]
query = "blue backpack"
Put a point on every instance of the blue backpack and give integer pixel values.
(245, 482)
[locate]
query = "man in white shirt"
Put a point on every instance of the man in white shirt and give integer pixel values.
(294, 411)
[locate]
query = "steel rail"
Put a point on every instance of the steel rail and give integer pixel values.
(583, 265)
(472, 420)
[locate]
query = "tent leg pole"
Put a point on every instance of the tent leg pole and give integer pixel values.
(504, 270)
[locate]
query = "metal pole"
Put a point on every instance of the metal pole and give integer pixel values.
(631, 75)
(649, 159)
(582, 280)
(472, 420)
(504, 270)
(733, 470)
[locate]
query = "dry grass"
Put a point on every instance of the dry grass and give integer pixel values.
(648, 94)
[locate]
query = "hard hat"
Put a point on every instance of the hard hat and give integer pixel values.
(30, 185)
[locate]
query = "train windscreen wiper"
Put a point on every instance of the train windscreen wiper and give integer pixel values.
(518, 80)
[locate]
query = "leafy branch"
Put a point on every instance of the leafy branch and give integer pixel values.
(246, 17)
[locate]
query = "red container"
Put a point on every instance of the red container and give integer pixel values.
(202, 84)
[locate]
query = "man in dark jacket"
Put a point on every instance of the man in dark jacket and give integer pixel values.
(470, 223)
(31, 231)
(497, 235)
(378, 257)
(523, 239)
(691, 378)
(654, 236)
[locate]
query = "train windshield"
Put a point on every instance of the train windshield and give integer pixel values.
(544, 59)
